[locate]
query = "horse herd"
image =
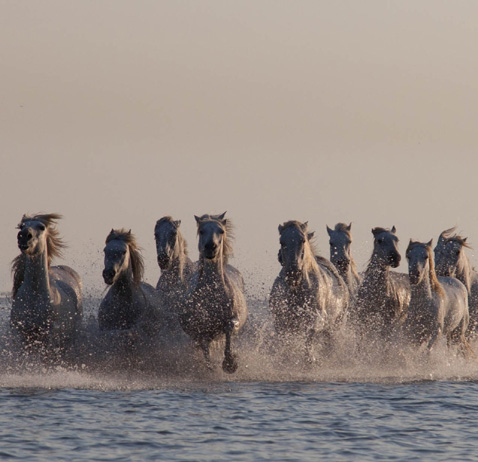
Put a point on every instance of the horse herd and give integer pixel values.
(311, 298)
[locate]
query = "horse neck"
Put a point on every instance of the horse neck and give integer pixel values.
(214, 270)
(37, 274)
(124, 285)
(423, 290)
(377, 271)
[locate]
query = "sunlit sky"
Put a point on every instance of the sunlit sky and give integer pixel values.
(116, 113)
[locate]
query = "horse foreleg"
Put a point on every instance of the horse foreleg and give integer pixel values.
(229, 364)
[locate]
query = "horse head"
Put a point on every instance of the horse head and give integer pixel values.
(295, 251)
(340, 240)
(449, 252)
(214, 234)
(166, 234)
(420, 260)
(122, 257)
(37, 234)
(385, 247)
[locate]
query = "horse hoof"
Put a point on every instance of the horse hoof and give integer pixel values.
(230, 365)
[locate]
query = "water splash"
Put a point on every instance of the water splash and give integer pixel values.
(104, 362)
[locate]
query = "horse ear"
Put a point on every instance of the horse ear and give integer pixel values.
(349, 227)
(430, 243)
(329, 231)
(198, 220)
(129, 233)
(394, 230)
(177, 223)
(374, 231)
(281, 228)
(310, 235)
(303, 226)
(221, 217)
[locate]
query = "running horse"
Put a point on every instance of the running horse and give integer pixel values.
(176, 268)
(46, 309)
(438, 305)
(308, 297)
(340, 240)
(130, 304)
(451, 260)
(215, 305)
(383, 297)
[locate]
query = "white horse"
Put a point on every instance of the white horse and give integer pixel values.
(451, 260)
(176, 269)
(130, 304)
(438, 306)
(383, 297)
(340, 240)
(308, 296)
(46, 308)
(215, 304)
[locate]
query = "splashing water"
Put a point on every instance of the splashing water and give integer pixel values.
(101, 361)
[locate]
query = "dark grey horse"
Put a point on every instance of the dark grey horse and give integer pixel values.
(383, 296)
(130, 304)
(340, 240)
(176, 269)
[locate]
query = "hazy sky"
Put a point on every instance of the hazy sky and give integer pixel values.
(115, 113)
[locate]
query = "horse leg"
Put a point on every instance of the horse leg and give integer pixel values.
(229, 364)
(204, 345)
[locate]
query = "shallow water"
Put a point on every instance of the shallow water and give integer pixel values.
(158, 406)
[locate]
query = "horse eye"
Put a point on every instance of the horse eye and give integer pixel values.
(201, 232)
(41, 227)
(380, 241)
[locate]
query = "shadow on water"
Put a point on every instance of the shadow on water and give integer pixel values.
(118, 362)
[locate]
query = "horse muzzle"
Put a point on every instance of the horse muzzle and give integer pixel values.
(414, 278)
(109, 276)
(394, 260)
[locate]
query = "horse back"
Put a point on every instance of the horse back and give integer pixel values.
(456, 302)
(69, 281)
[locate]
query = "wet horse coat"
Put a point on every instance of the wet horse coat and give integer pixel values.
(130, 304)
(308, 296)
(46, 306)
(438, 306)
(383, 297)
(215, 305)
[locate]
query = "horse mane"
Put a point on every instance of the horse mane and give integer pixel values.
(226, 225)
(54, 245)
(137, 262)
(434, 282)
(182, 242)
(379, 230)
(314, 259)
(343, 228)
(309, 235)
